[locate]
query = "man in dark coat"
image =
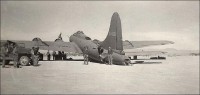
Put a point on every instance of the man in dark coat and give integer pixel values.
(100, 51)
(54, 54)
(35, 55)
(15, 55)
(4, 51)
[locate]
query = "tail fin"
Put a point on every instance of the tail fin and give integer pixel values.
(114, 37)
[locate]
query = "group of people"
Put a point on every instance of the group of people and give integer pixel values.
(100, 51)
(11, 49)
(110, 52)
(60, 56)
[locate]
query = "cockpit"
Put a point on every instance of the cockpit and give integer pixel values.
(78, 33)
(81, 35)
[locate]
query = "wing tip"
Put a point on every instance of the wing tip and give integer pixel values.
(168, 42)
(171, 42)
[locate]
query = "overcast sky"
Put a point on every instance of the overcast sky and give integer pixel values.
(176, 21)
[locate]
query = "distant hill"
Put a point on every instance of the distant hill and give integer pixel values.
(174, 52)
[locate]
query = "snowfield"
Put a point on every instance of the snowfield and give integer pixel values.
(176, 75)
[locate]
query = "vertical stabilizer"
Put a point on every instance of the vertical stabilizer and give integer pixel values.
(114, 37)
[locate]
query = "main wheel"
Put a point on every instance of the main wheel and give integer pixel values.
(24, 60)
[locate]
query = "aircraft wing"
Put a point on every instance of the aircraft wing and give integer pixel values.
(61, 46)
(139, 44)
(144, 53)
(48, 45)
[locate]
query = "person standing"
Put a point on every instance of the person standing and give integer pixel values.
(4, 51)
(48, 55)
(32, 55)
(110, 52)
(85, 55)
(100, 51)
(54, 54)
(59, 55)
(10, 47)
(35, 55)
(15, 55)
(62, 55)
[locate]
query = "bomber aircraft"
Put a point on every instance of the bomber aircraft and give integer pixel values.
(78, 41)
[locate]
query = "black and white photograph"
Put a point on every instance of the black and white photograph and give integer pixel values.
(99, 47)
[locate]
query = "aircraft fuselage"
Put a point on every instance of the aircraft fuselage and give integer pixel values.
(82, 41)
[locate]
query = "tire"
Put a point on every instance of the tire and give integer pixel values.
(24, 60)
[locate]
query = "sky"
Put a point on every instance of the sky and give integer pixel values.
(176, 21)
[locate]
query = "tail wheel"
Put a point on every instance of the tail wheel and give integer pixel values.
(24, 60)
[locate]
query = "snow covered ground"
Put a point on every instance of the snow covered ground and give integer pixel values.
(176, 75)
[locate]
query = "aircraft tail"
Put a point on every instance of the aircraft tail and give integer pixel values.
(114, 37)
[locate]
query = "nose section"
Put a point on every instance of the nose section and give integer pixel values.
(127, 61)
(123, 60)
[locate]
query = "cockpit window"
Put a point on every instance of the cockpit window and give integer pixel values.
(80, 34)
(87, 38)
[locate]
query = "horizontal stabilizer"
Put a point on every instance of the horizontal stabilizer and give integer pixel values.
(139, 44)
